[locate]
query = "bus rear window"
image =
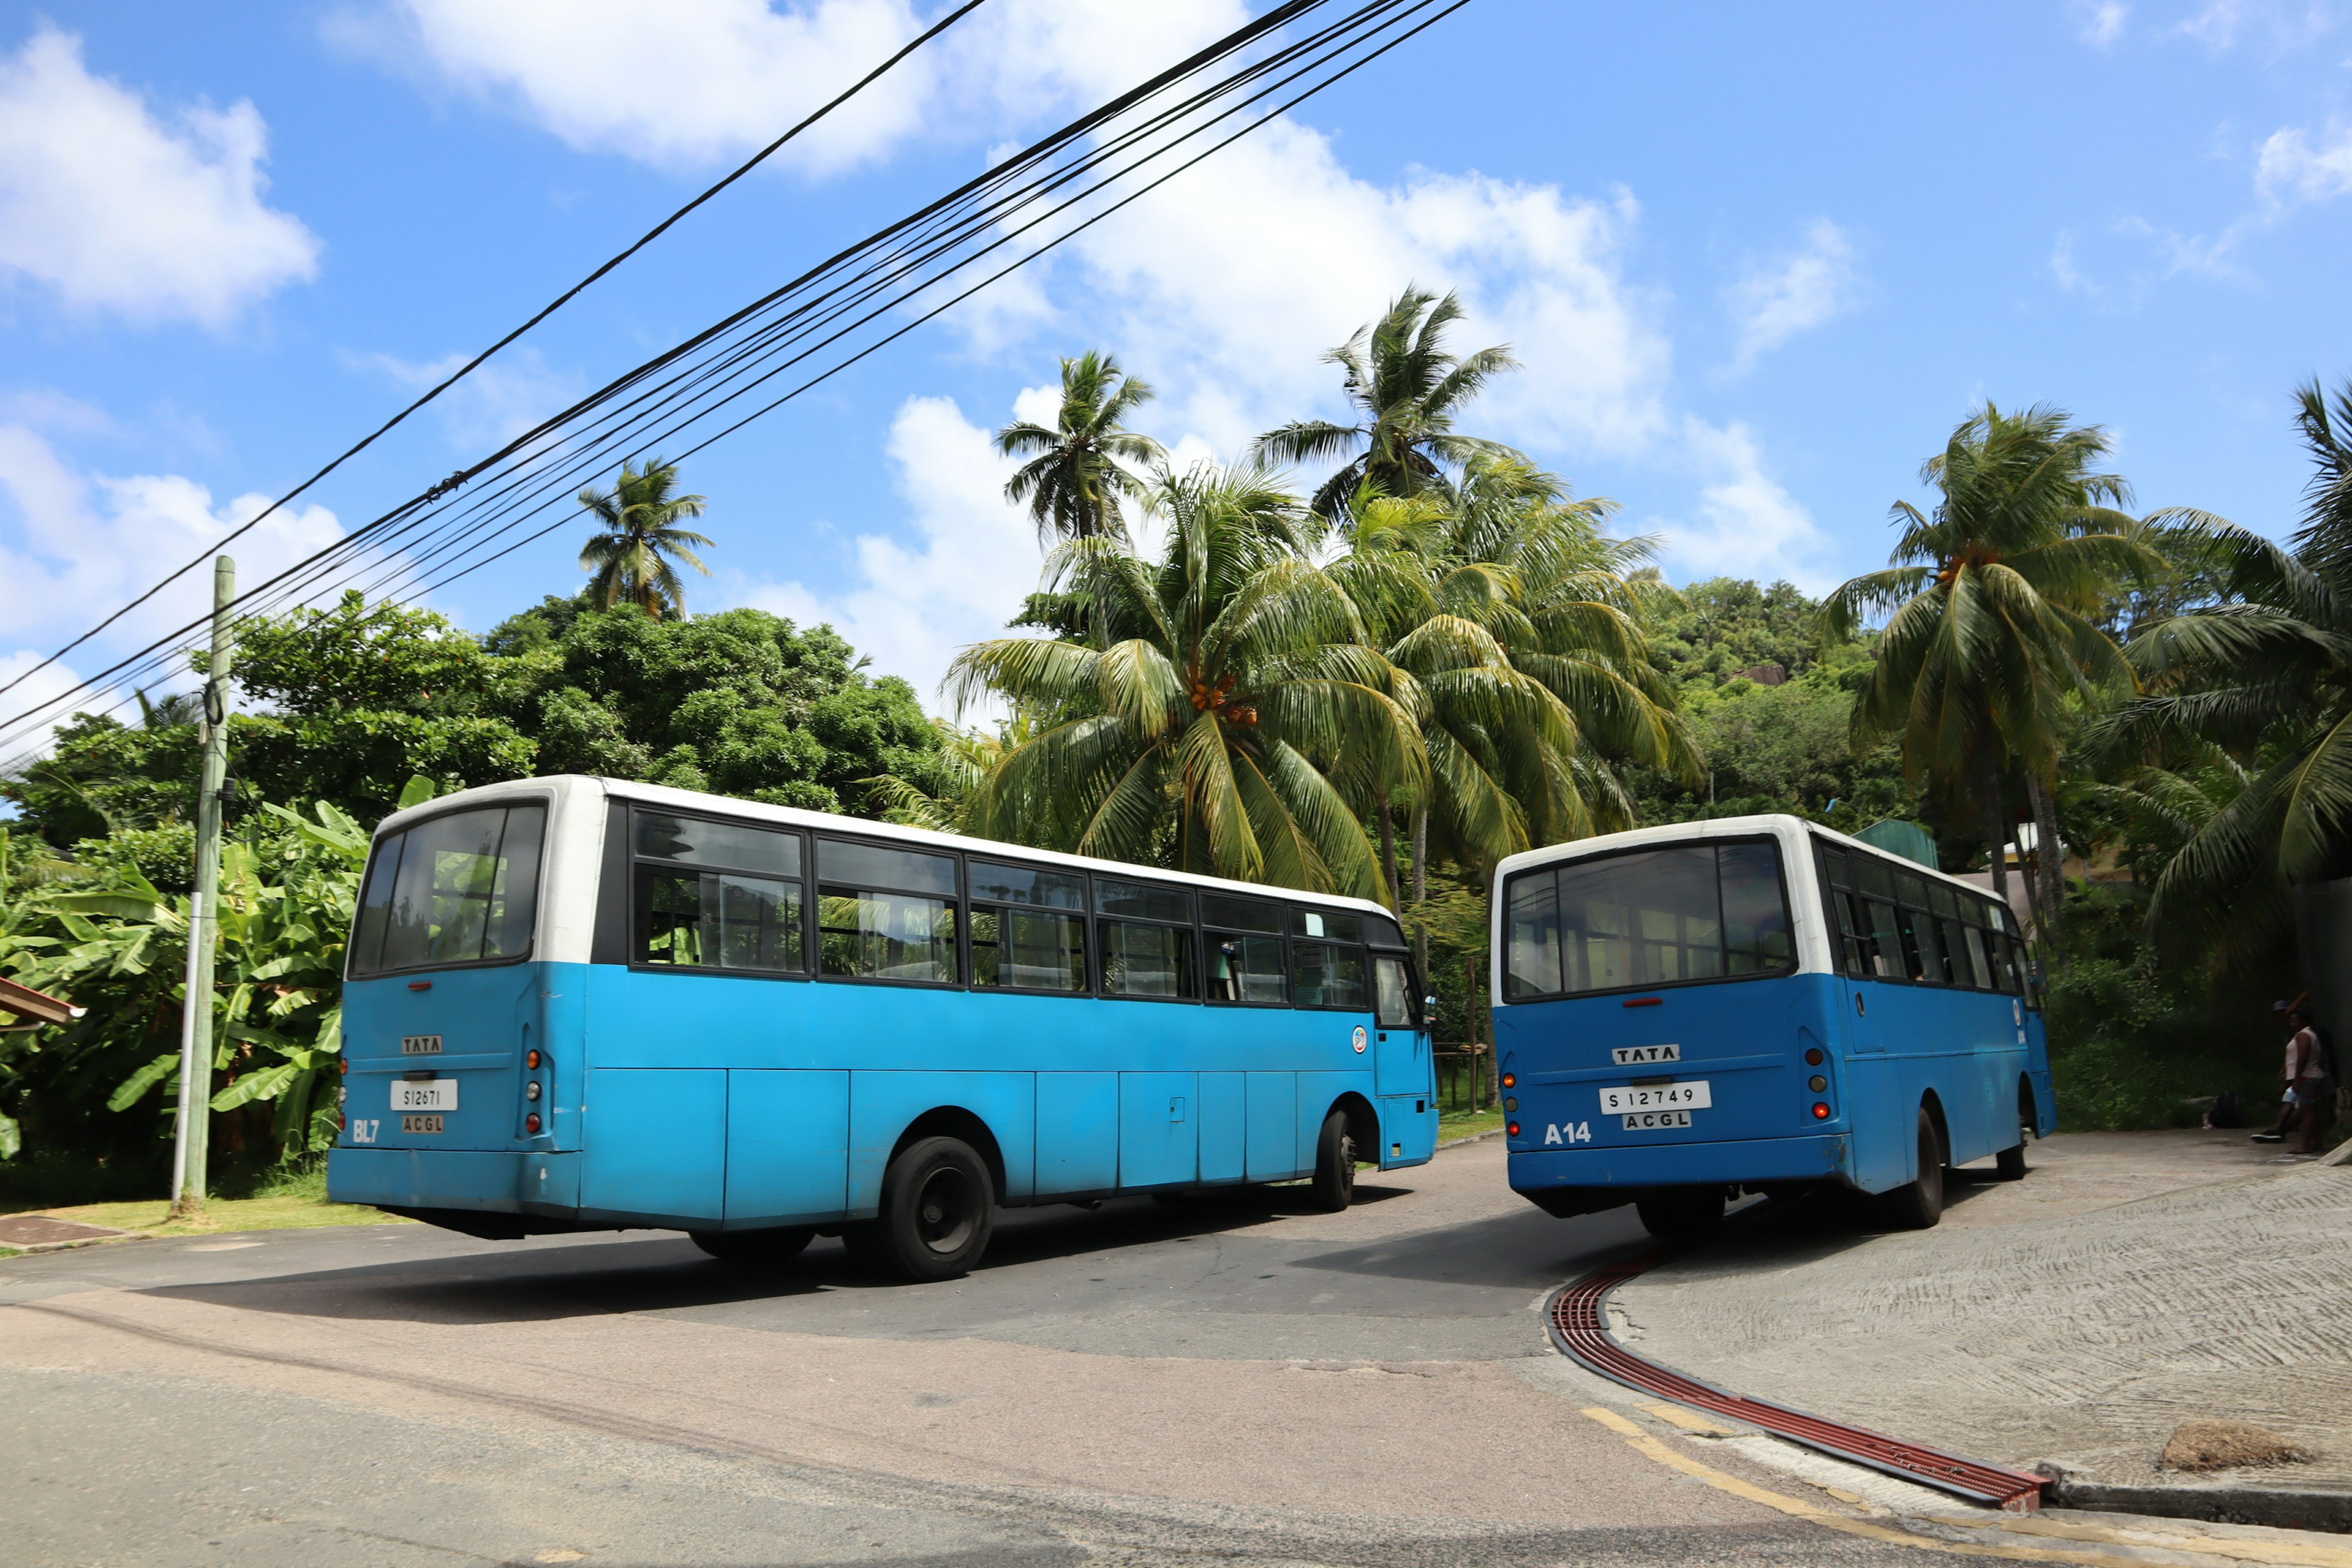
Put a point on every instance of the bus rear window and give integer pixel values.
(1655, 917)
(459, 888)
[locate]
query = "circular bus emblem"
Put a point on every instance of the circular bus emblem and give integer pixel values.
(1361, 1038)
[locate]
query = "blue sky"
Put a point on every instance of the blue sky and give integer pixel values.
(1757, 263)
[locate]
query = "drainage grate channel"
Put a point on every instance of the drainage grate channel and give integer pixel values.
(1580, 1331)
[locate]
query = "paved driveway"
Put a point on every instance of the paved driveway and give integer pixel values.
(1138, 1382)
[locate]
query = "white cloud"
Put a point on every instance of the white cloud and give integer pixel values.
(2295, 166)
(116, 210)
(74, 546)
(44, 694)
(688, 86)
(1747, 525)
(2103, 21)
(2221, 25)
(913, 605)
(1775, 304)
(1233, 280)
(493, 404)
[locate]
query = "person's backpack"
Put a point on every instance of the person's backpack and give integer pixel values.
(2226, 1112)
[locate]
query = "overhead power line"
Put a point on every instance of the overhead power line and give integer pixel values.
(761, 157)
(842, 311)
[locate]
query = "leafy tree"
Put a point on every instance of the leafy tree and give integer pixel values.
(1988, 603)
(1406, 390)
(1512, 617)
(631, 559)
(1076, 475)
(1718, 628)
(2263, 679)
(1222, 721)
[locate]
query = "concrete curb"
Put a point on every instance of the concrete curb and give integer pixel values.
(1474, 1138)
(30, 1248)
(2275, 1506)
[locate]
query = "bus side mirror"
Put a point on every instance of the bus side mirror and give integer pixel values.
(1429, 1002)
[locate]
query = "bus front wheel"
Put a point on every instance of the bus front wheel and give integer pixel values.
(1681, 1214)
(1334, 1163)
(770, 1248)
(939, 1209)
(1919, 1205)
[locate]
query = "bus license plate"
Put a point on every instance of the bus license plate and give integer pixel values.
(428, 1094)
(433, 1123)
(1644, 1120)
(1691, 1096)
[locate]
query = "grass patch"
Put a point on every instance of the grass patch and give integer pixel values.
(1453, 1124)
(286, 1200)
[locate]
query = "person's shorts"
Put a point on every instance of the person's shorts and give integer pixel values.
(2316, 1093)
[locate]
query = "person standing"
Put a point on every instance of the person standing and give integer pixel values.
(2309, 1079)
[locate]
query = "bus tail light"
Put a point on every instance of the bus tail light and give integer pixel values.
(1510, 1081)
(531, 1058)
(1812, 1057)
(1513, 1128)
(1820, 1111)
(530, 1123)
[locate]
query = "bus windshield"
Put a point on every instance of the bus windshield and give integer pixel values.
(1653, 917)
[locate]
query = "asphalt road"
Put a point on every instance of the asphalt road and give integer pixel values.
(1140, 1382)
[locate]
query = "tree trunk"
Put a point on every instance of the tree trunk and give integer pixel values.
(2047, 851)
(1996, 824)
(1420, 886)
(1387, 849)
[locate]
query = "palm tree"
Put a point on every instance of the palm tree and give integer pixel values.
(1513, 618)
(2265, 677)
(1225, 715)
(1990, 598)
(1406, 390)
(1075, 477)
(631, 559)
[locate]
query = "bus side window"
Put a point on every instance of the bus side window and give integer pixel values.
(1886, 940)
(717, 895)
(1028, 928)
(1330, 965)
(1393, 1002)
(886, 913)
(1245, 950)
(1145, 951)
(1980, 964)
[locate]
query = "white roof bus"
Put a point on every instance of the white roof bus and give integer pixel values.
(1755, 1003)
(579, 1003)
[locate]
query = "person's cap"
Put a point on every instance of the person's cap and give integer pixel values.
(2280, 1006)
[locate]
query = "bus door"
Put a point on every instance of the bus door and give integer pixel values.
(1870, 946)
(1402, 1063)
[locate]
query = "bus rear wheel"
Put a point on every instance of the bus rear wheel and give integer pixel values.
(939, 1209)
(1681, 1214)
(770, 1248)
(1920, 1203)
(2010, 1164)
(1334, 1163)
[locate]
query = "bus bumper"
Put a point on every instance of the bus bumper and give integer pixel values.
(483, 1181)
(1749, 1161)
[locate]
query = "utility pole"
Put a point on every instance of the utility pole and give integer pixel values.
(196, 1032)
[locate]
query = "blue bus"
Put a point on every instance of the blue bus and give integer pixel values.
(577, 1004)
(1683, 1013)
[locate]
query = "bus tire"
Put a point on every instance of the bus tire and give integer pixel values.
(1681, 1216)
(939, 1209)
(768, 1248)
(1334, 1163)
(2010, 1164)
(1918, 1205)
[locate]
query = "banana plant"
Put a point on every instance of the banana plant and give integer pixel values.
(285, 910)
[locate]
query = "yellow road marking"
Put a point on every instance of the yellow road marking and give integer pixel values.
(1797, 1508)
(1689, 1420)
